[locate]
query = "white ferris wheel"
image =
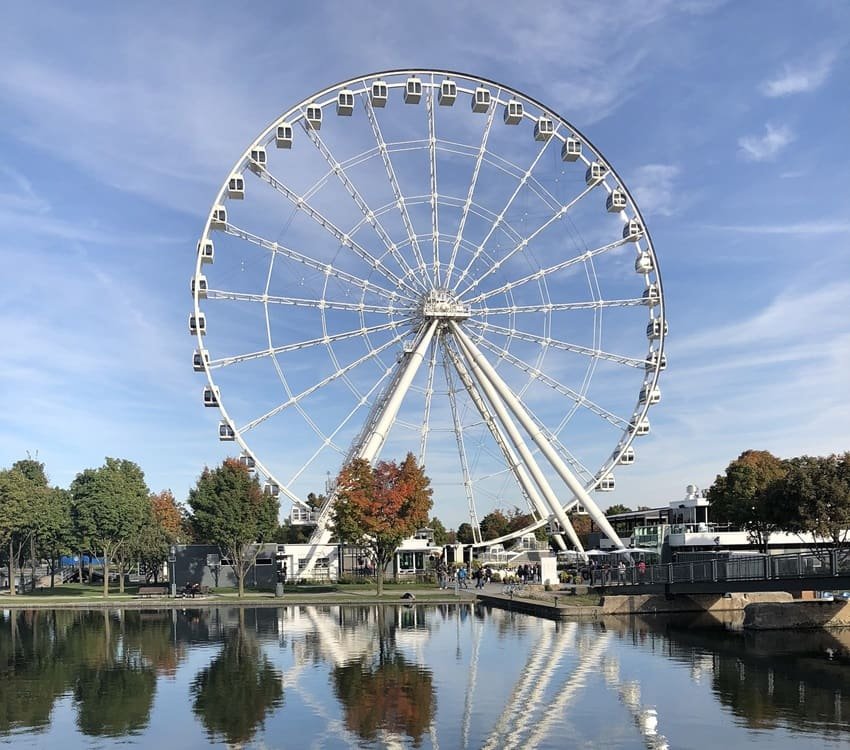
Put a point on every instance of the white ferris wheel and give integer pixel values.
(429, 261)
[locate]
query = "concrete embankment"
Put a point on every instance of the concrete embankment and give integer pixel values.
(552, 608)
(651, 604)
(797, 615)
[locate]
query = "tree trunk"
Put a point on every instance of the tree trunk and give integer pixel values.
(11, 570)
(105, 574)
(240, 577)
(32, 560)
(80, 565)
(121, 567)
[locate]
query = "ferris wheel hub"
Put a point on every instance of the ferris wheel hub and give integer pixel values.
(443, 305)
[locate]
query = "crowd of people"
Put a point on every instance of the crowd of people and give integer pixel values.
(460, 575)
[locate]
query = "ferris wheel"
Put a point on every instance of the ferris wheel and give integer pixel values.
(433, 262)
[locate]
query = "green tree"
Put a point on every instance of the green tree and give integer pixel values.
(441, 536)
(746, 496)
(380, 507)
(233, 695)
(109, 507)
(464, 533)
(231, 511)
(816, 495)
(494, 525)
(616, 509)
(24, 497)
(54, 529)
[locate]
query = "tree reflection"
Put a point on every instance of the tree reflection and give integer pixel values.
(233, 695)
(385, 692)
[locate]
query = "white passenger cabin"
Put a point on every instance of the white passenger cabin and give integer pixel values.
(640, 427)
(595, 173)
(651, 295)
(543, 129)
(313, 117)
(236, 187)
(207, 251)
(632, 230)
(345, 103)
(628, 456)
(412, 90)
(606, 484)
(655, 327)
(198, 325)
(226, 431)
(644, 263)
(571, 150)
(378, 94)
(247, 461)
(480, 99)
(283, 135)
(210, 396)
(201, 284)
(218, 220)
(513, 112)
(650, 394)
(616, 201)
(272, 489)
(448, 93)
(199, 359)
(258, 159)
(652, 360)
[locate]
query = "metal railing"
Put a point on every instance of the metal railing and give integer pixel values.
(825, 564)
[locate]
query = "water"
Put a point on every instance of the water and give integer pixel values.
(433, 677)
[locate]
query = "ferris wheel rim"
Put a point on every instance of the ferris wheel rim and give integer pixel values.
(265, 136)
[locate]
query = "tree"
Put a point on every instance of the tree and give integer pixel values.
(231, 511)
(441, 536)
(616, 509)
(816, 495)
(109, 507)
(24, 495)
(746, 495)
(464, 533)
(54, 529)
(167, 514)
(494, 525)
(378, 508)
(582, 525)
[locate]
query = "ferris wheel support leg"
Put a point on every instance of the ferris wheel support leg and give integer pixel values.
(501, 412)
(475, 355)
(516, 466)
(376, 439)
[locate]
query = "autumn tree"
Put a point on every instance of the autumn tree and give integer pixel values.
(746, 495)
(109, 506)
(230, 510)
(816, 495)
(379, 507)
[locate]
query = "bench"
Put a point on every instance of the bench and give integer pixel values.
(153, 591)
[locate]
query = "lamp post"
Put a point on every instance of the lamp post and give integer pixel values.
(172, 574)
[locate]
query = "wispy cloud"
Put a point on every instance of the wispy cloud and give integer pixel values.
(654, 188)
(765, 147)
(800, 78)
(819, 227)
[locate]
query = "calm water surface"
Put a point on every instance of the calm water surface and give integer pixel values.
(460, 676)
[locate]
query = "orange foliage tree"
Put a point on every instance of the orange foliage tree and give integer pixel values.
(379, 507)
(166, 513)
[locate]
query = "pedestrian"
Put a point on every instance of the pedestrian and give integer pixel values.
(641, 568)
(461, 578)
(621, 572)
(478, 575)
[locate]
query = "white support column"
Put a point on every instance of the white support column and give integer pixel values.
(511, 459)
(376, 440)
(536, 434)
(499, 408)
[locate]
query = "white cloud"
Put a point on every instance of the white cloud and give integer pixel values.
(766, 147)
(818, 227)
(799, 79)
(654, 188)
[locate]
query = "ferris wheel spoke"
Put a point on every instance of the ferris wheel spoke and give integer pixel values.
(461, 448)
(549, 270)
(523, 180)
(564, 390)
(556, 343)
(308, 343)
(432, 168)
(323, 304)
(479, 160)
(306, 260)
(558, 306)
(520, 246)
(399, 196)
(341, 372)
(429, 393)
(344, 239)
(368, 214)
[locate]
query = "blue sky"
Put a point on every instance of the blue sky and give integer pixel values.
(728, 121)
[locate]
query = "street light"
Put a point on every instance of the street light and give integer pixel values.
(172, 575)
